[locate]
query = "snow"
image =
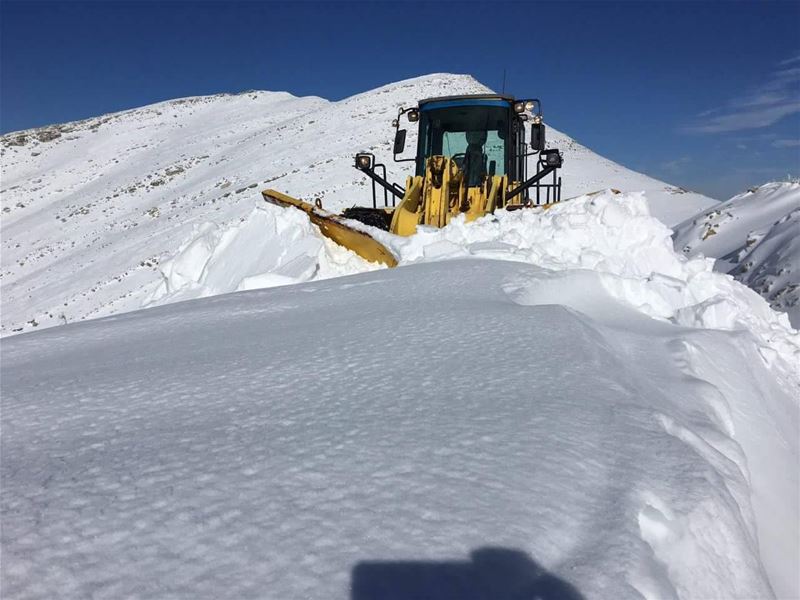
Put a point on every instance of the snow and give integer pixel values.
(553, 401)
(91, 210)
(268, 247)
(755, 237)
(613, 235)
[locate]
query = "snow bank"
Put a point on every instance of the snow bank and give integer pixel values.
(614, 235)
(269, 247)
(610, 234)
(363, 437)
(609, 407)
(755, 237)
(606, 240)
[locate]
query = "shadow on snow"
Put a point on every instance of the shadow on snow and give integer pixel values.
(489, 574)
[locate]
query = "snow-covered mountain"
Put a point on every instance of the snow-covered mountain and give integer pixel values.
(90, 210)
(755, 237)
(550, 404)
(589, 415)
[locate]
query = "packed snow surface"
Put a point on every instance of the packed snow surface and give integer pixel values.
(755, 237)
(91, 209)
(543, 403)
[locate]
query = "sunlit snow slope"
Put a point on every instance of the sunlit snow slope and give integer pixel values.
(755, 237)
(90, 209)
(589, 415)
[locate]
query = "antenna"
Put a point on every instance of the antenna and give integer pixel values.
(504, 82)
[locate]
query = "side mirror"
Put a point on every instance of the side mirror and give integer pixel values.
(537, 136)
(399, 141)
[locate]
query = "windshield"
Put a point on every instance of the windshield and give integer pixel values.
(475, 136)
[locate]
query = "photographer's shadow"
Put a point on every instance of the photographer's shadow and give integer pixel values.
(490, 574)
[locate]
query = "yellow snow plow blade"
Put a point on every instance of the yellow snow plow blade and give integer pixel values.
(334, 227)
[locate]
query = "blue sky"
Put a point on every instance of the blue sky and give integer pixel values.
(704, 95)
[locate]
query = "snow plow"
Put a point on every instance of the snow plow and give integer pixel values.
(471, 159)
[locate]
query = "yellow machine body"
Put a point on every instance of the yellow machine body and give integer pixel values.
(471, 160)
(433, 200)
(441, 195)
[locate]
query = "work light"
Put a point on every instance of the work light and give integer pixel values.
(363, 161)
(552, 158)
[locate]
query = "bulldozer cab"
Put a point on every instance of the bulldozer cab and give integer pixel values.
(484, 136)
(473, 133)
(471, 159)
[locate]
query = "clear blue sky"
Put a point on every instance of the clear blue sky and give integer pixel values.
(705, 95)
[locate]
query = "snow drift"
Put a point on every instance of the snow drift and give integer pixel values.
(290, 442)
(613, 235)
(269, 247)
(755, 237)
(591, 416)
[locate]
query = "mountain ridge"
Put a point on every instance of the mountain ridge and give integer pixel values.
(88, 214)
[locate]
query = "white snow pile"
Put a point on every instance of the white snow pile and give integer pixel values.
(755, 237)
(267, 248)
(612, 235)
(465, 429)
(89, 210)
